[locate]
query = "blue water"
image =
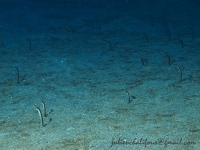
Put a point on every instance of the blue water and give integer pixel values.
(113, 74)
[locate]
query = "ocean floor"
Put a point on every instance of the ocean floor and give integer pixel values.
(114, 75)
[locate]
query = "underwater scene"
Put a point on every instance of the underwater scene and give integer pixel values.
(99, 74)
